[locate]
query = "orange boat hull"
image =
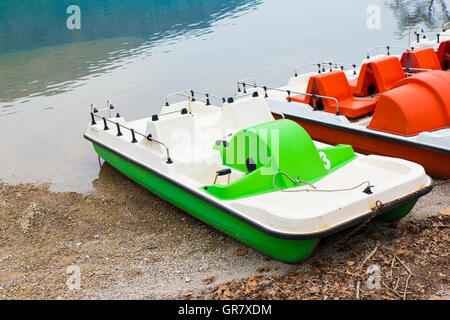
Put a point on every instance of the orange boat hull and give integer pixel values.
(435, 162)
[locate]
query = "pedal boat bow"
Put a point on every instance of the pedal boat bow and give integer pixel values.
(261, 181)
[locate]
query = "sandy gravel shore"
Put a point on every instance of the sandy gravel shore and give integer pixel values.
(128, 244)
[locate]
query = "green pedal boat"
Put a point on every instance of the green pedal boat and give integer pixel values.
(261, 181)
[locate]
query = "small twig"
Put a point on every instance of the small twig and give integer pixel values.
(396, 284)
(406, 286)
(409, 275)
(392, 265)
(429, 247)
(370, 255)
(282, 291)
(358, 285)
(402, 263)
(387, 287)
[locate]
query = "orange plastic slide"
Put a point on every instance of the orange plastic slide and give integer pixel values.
(414, 105)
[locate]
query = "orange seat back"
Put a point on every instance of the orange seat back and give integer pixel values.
(444, 55)
(334, 84)
(424, 58)
(365, 85)
(387, 72)
(414, 105)
(311, 89)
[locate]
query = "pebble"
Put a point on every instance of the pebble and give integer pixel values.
(203, 268)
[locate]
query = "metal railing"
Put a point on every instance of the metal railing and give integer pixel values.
(342, 67)
(298, 68)
(406, 70)
(323, 66)
(422, 34)
(119, 131)
(245, 81)
(388, 49)
(290, 92)
(109, 107)
(193, 95)
(446, 26)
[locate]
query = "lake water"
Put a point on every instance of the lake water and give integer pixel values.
(136, 52)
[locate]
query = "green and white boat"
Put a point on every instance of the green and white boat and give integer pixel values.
(261, 181)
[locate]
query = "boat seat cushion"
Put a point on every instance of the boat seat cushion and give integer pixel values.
(335, 84)
(444, 55)
(424, 58)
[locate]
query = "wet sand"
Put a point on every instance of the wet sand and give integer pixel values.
(129, 244)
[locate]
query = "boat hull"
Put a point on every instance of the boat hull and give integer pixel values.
(290, 251)
(436, 163)
(286, 250)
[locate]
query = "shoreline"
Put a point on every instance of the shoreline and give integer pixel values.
(129, 244)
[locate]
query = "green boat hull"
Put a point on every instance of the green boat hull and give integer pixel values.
(397, 213)
(286, 250)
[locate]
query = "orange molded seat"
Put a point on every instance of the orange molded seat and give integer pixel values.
(312, 88)
(414, 105)
(387, 72)
(365, 84)
(335, 84)
(424, 58)
(377, 76)
(444, 55)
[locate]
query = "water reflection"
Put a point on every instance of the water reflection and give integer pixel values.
(29, 25)
(428, 14)
(39, 55)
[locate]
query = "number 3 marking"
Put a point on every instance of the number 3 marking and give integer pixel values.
(327, 163)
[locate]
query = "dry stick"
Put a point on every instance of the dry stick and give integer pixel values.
(358, 285)
(402, 263)
(267, 290)
(429, 247)
(406, 286)
(387, 287)
(393, 289)
(396, 284)
(407, 279)
(370, 255)
(392, 265)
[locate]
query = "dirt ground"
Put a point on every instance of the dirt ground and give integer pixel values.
(128, 244)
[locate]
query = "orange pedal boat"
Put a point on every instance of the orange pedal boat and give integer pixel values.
(402, 116)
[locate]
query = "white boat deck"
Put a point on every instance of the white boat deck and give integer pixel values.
(190, 139)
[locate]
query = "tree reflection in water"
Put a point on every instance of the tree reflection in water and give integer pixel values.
(428, 14)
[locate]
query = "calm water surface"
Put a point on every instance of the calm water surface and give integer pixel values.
(136, 52)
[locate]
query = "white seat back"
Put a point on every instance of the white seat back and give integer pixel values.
(247, 112)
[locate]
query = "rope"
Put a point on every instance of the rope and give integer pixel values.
(297, 181)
